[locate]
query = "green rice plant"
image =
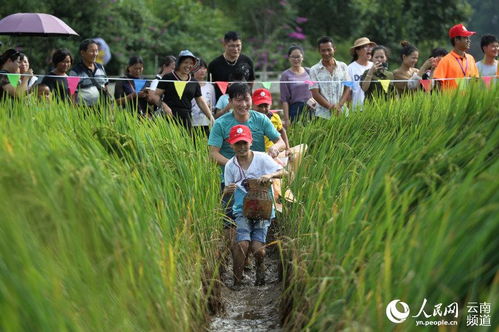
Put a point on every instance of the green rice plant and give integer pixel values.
(108, 222)
(399, 201)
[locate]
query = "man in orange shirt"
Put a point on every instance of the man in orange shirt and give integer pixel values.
(457, 63)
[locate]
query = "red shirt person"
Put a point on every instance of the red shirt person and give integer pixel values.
(458, 63)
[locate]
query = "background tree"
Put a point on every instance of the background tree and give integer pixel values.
(485, 19)
(154, 28)
(268, 28)
(140, 27)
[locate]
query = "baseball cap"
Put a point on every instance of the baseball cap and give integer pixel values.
(262, 96)
(460, 30)
(240, 133)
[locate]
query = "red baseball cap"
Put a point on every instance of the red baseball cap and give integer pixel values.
(240, 133)
(460, 30)
(262, 96)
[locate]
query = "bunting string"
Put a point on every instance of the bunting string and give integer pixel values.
(223, 85)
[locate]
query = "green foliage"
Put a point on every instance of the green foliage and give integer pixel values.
(140, 27)
(423, 23)
(397, 202)
(418, 22)
(485, 16)
(190, 24)
(154, 29)
(338, 19)
(268, 29)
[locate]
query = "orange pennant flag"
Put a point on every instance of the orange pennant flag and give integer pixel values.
(426, 84)
(180, 87)
(384, 84)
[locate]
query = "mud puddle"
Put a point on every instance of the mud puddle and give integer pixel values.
(252, 308)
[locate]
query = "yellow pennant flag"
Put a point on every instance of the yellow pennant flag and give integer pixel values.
(385, 84)
(180, 87)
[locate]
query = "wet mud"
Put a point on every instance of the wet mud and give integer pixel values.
(250, 308)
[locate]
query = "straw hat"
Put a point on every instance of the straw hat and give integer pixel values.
(361, 42)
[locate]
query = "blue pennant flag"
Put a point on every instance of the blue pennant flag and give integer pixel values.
(348, 83)
(139, 84)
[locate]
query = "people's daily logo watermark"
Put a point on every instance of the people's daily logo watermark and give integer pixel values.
(447, 315)
(394, 314)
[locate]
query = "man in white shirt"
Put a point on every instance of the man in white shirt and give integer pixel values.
(490, 48)
(328, 76)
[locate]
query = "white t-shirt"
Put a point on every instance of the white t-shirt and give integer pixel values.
(486, 70)
(154, 84)
(261, 164)
(356, 70)
(198, 117)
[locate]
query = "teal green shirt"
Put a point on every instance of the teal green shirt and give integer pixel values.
(258, 123)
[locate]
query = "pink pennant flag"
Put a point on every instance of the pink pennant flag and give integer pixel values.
(14, 79)
(73, 83)
(487, 80)
(222, 86)
(308, 82)
(426, 84)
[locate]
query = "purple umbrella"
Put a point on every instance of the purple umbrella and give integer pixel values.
(34, 24)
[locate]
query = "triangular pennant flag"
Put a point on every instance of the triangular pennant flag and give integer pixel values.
(487, 80)
(139, 84)
(180, 87)
(14, 79)
(384, 84)
(426, 84)
(72, 83)
(222, 86)
(308, 82)
(266, 85)
(348, 83)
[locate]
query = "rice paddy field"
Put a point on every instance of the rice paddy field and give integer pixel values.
(400, 201)
(109, 223)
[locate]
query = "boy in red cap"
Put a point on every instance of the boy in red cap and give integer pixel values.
(248, 164)
(458, 63)
(262, 99)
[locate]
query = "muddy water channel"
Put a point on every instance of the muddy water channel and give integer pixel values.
(252, 308)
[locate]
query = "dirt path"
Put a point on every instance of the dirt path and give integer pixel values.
(253, 308)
